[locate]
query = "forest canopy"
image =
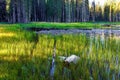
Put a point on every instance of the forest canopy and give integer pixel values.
(23, 11)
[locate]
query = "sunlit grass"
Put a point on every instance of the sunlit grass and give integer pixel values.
(83, 25)
(7, 35)
(27, 56)
(80, 25)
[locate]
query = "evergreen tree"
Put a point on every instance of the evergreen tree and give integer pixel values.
(3, 10)
(106, 12)
(85, 10)
(99, 15)
(93, 11)
(58, 11)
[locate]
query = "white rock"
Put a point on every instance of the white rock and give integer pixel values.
(72, 58)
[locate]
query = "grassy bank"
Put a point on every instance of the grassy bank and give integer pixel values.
(82, 25)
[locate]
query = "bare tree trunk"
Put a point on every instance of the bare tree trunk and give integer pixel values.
(29, 10)
(83, 11)
(93, 11)
(13, 13)
(24, 18)
(63, 11)
(110, 15)
(68, 11)
(18, 11)
(72, 10)
(77, 10)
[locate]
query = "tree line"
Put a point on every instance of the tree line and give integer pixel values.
(23, 11)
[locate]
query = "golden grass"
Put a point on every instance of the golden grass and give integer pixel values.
(3, 51)
(4, 33)
(8, 34)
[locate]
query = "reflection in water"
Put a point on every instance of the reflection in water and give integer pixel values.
(100, 52)
(52, 70)
(103, 38)
(109, 32)
(91, 39)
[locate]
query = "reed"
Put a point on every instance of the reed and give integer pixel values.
(27, 56)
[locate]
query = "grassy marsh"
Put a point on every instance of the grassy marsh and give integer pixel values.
(29, 60)
(27, 56)
(83, 25)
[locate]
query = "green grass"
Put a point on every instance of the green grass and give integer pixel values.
(83, 25)
(79, 25)
(25, 59)
(27, 56)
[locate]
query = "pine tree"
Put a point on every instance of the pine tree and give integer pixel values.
(85, 10)
(63, 12)
(3, 10)
(93, 11)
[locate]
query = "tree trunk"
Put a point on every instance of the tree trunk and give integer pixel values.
(13, 13)
(18, 11)
(3, 10)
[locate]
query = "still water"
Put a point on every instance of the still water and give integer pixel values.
(98, 49)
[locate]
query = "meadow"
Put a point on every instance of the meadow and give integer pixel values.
(83, 25)
(25, 55)
(80, 25)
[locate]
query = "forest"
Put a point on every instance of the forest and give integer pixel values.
(23, 11)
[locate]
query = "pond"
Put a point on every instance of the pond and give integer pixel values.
(98, 49)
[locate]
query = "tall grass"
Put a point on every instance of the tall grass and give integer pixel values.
(27, 56)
